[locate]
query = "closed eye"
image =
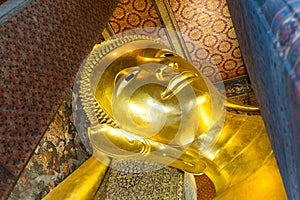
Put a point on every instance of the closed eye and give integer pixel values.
(128, 78)
(131, 76)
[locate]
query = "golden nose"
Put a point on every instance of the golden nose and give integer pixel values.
(177, 83)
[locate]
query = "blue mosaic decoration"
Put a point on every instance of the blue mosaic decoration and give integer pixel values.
(269, 37)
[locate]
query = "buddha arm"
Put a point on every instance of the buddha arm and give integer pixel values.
(118, 143)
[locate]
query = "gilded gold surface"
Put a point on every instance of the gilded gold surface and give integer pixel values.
(240, 149)
(81, 184)
(265, 183)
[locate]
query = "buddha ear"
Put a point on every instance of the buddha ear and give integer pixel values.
(236, 106)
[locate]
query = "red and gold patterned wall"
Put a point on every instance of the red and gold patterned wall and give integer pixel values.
(134, 14)
(208, 23)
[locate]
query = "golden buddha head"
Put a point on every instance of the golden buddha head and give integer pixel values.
(151, 91)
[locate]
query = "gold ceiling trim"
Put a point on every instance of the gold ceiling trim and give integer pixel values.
(108, 31)
(167, 19)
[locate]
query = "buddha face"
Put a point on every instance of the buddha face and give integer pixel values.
(165, 100)
(152, 92)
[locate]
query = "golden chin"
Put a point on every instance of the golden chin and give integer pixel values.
(146, 102)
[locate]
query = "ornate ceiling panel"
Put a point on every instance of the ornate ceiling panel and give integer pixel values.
(214, 49)
(208, 22)
(131, 14)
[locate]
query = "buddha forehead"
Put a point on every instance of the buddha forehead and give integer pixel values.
(142, 61)
(144, 51)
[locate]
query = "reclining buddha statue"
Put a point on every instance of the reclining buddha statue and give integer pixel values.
(145, 102)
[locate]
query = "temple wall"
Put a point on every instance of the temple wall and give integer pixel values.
(42, 45)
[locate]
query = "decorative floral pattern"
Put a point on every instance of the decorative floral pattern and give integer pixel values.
(130, 15)
(286, 31)
(205, 188)
(165, 183)
(208, 22)
(239, 90)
